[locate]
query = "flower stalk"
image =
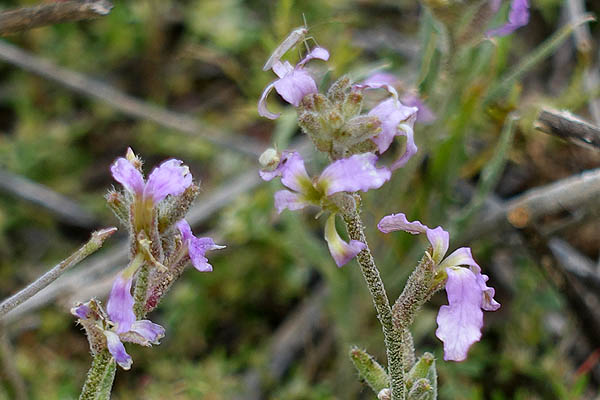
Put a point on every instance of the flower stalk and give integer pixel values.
(99, 376)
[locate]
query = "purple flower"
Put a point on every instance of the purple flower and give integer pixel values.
(518, 16)
(460, 322)
(197, 247)
(116, 348)
(81, 311)
(169, 178)
(144, 332)
(356, 173)
(120, 302)
(294, 82)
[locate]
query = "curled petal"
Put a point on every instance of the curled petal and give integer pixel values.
(262, 103)
(398, 222)
(127, 175)
(116, 348)
(391, 113)
(169, 178)
(319, 53)
(197, 247)
(460, 322)
(381, 78)
(146, 333)
(518, 16)
(286, 199)
(120, 304)
(353, 174)
(341, 251)
(425, 115)
(440, 240)
(488, 303)
(295, 85)
(406, 130)
(462, 256)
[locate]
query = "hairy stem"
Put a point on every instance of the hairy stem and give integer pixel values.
(101, 374)
(140, 292)
(382, 305)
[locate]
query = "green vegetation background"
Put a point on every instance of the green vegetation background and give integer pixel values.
(204, 58)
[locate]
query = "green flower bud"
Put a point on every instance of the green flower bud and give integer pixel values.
(369, 370)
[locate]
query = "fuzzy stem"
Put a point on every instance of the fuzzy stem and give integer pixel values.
(382, 305)
(140, 292)
(97, 376)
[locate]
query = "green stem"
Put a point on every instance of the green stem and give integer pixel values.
(382, 305)
(98, 376)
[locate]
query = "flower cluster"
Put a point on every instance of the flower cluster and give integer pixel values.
(459, 322)
(162, 244)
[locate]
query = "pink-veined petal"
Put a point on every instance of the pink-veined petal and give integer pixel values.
(352, 174)
(460, 322)
(340, 250)
(127, 175)
(169, 178)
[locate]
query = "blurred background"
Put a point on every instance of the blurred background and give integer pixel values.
(276, 318)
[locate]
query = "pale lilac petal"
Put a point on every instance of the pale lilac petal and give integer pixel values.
(120, 304)
(381, 78)
(116, 348)
(269, 175)
(293, 172)
(295, 85)
(425, 115)
(488, 303)
(352, 174)
(185, 230)
(169, 178)
(391, 113)
(398, 222)
(262, 103)
(148, 330)
(440, 240)
(518, 16)
(127, 175)
(405, 129)
(377, 85)
(81, 311)
(340, 250)
(281, 69)
(297, 162)
(460, 322)
(286, 199)
(316, 53)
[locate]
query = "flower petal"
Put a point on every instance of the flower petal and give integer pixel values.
(286, 199)
(197, 247)
(381, 78)
(398, 222)
(295, 85)
(341, 251)
(518, 16)
(127, 175)
(460, 322)
(293, 172)
(425, 115)
(319, 53)
(149, 331)
(185, 230)
(120, 304)
(81, 311)
(440, 240)
(462, 256)
(391, 113)
(353, 174)
(116, 348)
(262, 103)
(169, 178)
(405, 129)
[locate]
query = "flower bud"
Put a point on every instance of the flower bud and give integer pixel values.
(421, 390)
(370, 370)
(337, 92)
(269, 159)
(353, 104)
(424, 368)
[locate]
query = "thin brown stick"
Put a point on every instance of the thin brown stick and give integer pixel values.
(126, 104)
(21, 19)
(43, 281)
(66, 209)
(569, 127)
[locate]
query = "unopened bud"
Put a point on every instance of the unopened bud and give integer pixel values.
(369, 369)
(337, 91)
(424, 368)
(269, 159)
(133, 159)
(421, 390)
(353, 104)
(385, 394)
(335, 120)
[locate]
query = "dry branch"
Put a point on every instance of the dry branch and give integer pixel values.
(124, 103)
(21, 19)
(569, 127)
(67, 210)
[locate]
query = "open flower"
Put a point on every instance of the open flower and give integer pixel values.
(396, 120)
(95, 321)
(459, 322)
(197, 247)
(518, 16)
(294, 82)
(169, 178)
(356, 173)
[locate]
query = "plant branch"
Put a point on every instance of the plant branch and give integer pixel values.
(90, 247)
(567, 126)
(22, 19)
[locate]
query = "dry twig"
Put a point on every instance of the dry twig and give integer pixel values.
(21, 19)
(569, 127)
(43, 281)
